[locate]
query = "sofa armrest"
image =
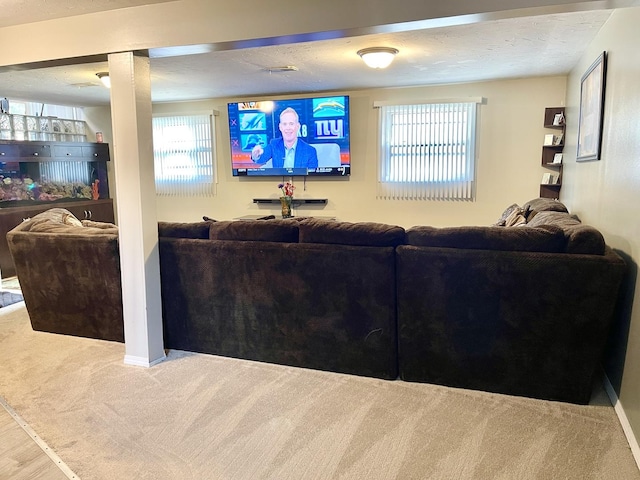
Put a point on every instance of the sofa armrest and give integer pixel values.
(70, 282)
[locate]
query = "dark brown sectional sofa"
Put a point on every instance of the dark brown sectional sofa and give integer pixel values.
(522, 309)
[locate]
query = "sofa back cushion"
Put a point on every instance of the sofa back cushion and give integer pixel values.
(560, 219)
(539, 239)
(184, 230)
(533, 207)
(251, 230)
(581, 238)
(366, 234)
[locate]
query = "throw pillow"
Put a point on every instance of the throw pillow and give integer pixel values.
(561, 219)
(515, 218)
(532, 207)
(508, 211)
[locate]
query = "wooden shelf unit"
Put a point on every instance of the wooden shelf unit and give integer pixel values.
(549, 152)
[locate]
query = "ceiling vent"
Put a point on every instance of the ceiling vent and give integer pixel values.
(285, 68)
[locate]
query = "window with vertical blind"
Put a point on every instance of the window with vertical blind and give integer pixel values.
(427, 151)
(184, 155)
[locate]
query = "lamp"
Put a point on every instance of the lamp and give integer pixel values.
(378, 57)
(104, 78)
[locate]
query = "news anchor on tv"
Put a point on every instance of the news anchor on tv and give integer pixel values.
(288, 151)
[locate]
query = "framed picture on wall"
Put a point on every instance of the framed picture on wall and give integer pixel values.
(591, 110)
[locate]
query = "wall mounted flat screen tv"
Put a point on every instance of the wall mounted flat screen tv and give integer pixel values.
(304, 136)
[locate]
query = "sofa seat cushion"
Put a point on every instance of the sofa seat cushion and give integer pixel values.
(364, 234)
(184, 230)
(250, 230)
(546, 238)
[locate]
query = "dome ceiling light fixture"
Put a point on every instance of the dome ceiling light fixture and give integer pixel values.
(378, 57)
(104, 78)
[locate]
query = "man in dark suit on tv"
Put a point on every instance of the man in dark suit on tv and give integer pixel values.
(287, 151)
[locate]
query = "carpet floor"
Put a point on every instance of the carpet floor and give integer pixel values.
(201, 417)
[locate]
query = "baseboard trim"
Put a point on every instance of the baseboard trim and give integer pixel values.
(142, 361)
(624, 421)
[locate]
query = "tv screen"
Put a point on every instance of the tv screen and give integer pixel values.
(304, 136)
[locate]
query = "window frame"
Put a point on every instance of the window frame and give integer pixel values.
(201, 184)
(420, 175)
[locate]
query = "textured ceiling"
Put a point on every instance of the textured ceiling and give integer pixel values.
(499, 49)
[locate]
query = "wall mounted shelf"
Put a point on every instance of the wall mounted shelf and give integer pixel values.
(553, 119)
(296, 201)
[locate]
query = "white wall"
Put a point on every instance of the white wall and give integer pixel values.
(606, 193)
(509, 170)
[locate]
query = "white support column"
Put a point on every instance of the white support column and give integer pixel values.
(136, 207)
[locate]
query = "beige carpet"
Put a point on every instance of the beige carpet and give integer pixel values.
(206, 417)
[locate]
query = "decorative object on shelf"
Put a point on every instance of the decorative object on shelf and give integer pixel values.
(553, 140)
(549, 179)
(34, 128)
(558, 119)
(592, 85)
(285, 202)
(95, 191)
(287, 199)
